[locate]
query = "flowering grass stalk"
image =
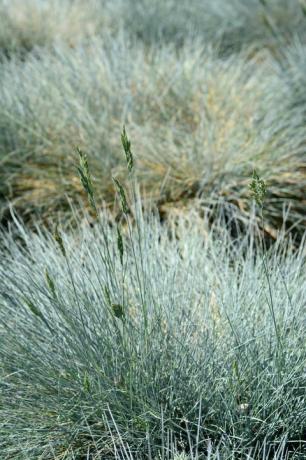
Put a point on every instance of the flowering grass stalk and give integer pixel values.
(170, 354)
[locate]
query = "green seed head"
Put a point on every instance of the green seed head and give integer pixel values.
(50, 283)
(258, 189)
(85, 177)
(120, 245)
(86, 383)
(123, 200)
(58, 238)
(118, 310)
(126, 143)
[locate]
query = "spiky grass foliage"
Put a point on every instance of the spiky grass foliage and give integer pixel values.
(30, 23)
(232, 25)
(294, 61)
(168, 341)
(199, 125)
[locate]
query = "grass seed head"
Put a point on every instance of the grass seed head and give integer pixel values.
(107, 296)
(120, 245)
(36, 312)
(126, 143)
(85, 177)
(58, 238)
(50, 283)
(118, 310)
(122, 196)
(258, 189)
(86, 383)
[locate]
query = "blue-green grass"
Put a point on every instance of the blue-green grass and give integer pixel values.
(172, 349)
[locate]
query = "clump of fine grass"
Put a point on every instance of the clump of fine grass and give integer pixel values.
(295, 63)
(169, 344)
(27, 24)
(200, 125)
(230, 25)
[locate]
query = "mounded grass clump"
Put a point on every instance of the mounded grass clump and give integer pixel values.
(232, 25)
(125, 335)
(199, 124)
(146, 340)
(295, 75)
(27, 24)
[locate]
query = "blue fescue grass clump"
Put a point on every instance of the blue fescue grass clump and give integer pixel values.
(199, 123)
(231, 25)
(142, 340)
(210, 89)
(28, 24)
(177, 341)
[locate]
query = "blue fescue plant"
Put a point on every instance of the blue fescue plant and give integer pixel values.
(198, 122)
(157, 344)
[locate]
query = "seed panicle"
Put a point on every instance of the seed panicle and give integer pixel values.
(118, 310)
(58, 238)
(123, 200)
(126, 143)
(50, 283)
(86, 181)
(120, 245)
(258, 189)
